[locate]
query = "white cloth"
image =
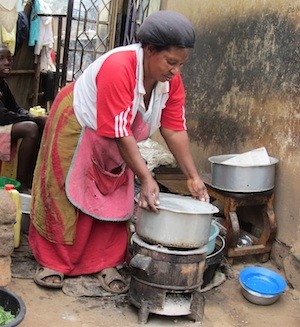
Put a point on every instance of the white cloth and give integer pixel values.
(254, 157)
(46, 38)
(156, 154)
(45, 35)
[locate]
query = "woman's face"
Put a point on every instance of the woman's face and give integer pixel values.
(164, 65)
(5, 61)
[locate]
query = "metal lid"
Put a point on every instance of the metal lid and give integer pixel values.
(184, 204)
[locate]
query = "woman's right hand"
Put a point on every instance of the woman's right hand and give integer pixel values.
(149, 195)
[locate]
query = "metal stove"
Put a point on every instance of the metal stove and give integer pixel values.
(166, 281)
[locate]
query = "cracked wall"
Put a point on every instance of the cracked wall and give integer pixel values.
(242, 84)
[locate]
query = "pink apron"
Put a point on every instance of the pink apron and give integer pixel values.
(99, 183)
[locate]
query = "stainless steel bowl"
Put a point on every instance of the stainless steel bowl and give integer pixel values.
(244, 179)
(258, 298)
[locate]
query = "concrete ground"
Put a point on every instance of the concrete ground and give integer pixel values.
(225, 306)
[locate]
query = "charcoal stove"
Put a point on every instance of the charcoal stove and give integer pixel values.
(166, 281)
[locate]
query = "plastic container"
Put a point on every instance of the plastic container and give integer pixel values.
(6, 180)
(37, 111)
(15, 195)
(213, 233)
(13, 303)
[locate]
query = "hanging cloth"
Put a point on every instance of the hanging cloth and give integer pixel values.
(22, 29)
(20, 5)
(9, 39)
(34, 23)
(46, 38)
(8, 14)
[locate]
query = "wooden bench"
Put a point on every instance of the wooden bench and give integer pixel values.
(261, 202)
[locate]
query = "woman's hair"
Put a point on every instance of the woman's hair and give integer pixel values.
(165, 28)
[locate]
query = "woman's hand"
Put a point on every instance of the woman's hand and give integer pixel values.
(149, 195)
(198, 189)
(178, 143)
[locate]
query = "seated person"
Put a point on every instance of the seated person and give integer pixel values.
(21, 123)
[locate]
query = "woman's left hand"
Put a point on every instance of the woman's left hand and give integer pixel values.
(198, 189)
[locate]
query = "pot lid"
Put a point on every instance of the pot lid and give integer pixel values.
(184, 204)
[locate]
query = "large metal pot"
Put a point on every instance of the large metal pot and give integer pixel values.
(244, 179)
(182, 222)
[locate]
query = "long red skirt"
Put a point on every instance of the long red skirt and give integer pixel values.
(61, 236)
(98, 245)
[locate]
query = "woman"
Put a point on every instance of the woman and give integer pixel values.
(16, 123)
(84, 180)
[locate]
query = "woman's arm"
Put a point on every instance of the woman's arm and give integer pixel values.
(130, 153)
(179, 144)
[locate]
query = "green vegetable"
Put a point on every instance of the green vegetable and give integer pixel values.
(5, 316)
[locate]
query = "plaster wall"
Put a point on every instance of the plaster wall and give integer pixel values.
(242, 84)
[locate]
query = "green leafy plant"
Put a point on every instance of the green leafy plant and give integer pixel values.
(5, 316)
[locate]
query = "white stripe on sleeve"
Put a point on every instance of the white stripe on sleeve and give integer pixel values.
(183, 117)
(121, 124)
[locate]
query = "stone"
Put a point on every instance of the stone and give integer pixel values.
(6, 240)
(7, 208)
(292, 271)
(7, 220)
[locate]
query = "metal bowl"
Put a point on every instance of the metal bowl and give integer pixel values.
(242, 179)
(262, 280)
(257, 298)
(181, 222)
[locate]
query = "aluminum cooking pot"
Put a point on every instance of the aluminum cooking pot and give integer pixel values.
(244, 179)
(182, 222)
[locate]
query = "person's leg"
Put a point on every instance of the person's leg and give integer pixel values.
(28, 131)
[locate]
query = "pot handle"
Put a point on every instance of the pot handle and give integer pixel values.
(141, 262)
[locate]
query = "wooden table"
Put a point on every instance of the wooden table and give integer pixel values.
(175, 182)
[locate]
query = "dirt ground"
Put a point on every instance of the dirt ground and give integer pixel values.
(225, 306)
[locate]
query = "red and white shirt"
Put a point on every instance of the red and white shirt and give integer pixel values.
(110, 93)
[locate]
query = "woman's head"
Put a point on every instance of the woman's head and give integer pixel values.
(5, 61)
(164, 29)
(166, 38)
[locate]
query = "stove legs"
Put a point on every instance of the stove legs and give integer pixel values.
(197, 306)
(143, 312)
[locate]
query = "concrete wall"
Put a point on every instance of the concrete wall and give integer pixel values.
(242, 84)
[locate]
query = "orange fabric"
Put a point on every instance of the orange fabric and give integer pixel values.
(52, 213)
